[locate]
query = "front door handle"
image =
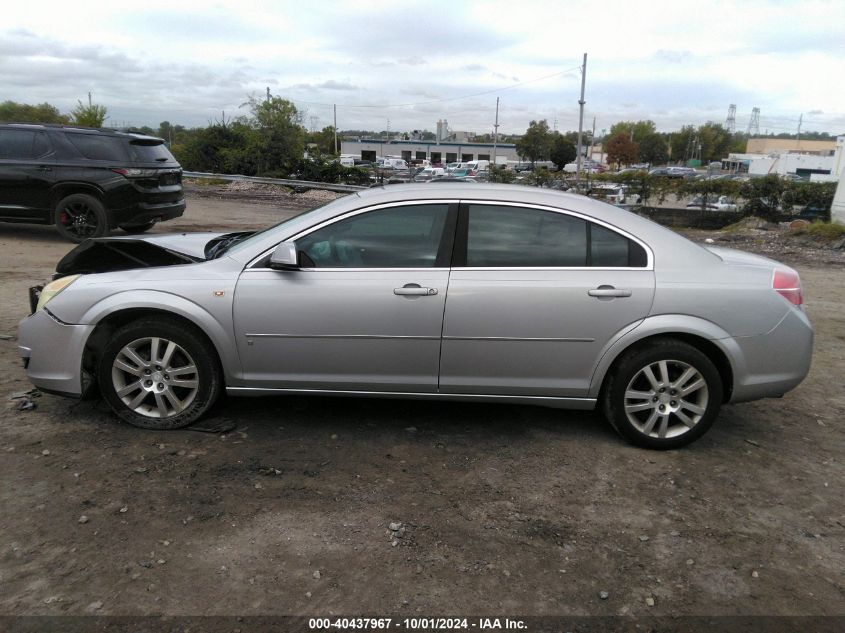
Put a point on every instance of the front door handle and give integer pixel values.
(45, 168)
(609, 291)
(414, 290)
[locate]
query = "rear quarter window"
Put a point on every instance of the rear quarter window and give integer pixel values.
(99, 147)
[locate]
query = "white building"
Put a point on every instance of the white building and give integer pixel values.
(816, 166)
(436, 152)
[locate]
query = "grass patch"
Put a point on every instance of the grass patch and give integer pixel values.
(826, 230)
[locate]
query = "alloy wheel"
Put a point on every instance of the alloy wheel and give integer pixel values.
(155, 377)
(666, 399)
(79, 220)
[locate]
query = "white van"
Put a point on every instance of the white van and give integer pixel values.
(478, 165)
(347, 161)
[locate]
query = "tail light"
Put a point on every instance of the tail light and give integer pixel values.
(136, 173)
(787, 284)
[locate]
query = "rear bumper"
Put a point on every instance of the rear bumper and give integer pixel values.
(145, 212)
(52, 352)
(771, 364)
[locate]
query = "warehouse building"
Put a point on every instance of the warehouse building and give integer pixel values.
(436, 152)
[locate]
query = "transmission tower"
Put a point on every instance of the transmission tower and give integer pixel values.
(754, 123)
(730, 122)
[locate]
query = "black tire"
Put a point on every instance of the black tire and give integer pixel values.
(192, 348)
(135, 229)
(80, 216)
(630, 371)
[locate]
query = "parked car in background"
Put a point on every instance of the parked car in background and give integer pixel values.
(430, 172)
(713, 203)
(553, 299)
(87, 181)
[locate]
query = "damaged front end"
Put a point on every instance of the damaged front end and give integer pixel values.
(110, 255)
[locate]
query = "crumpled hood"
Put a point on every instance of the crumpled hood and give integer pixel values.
(108, 254)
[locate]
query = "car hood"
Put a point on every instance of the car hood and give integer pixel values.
(108, 254)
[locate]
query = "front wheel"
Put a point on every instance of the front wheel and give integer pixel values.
(80, 216)
(664, 395)
(156, 374)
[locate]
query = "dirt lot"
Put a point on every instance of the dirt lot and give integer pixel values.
(504, 509)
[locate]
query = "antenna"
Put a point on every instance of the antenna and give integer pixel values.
(730, 122)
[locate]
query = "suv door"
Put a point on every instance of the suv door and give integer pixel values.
(26, 174)
(535, 294)
(365, 311)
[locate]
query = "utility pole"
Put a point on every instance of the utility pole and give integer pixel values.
(268, 94)
(581, 102)
(590, 154)
(335, 128)
(496, 133)
(89, 98)
(800, 121)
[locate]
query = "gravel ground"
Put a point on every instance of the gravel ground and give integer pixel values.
(329, 506)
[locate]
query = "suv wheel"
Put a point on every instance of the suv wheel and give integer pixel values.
(156, 374)
(664, 395)
(80, 216)
(135, 229)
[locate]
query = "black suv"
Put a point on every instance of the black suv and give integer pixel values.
(87, 181)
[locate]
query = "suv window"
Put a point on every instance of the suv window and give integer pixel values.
(508, 237)
(396, 237)
(145, 152)
(22, 144)
(98, 146)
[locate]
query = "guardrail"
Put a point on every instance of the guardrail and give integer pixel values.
(306, 184)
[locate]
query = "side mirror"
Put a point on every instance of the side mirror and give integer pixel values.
(284, 257)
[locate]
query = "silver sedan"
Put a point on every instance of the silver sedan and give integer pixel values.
(483, 293)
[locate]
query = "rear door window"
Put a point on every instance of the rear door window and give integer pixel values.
(504, 236)
(518, 237)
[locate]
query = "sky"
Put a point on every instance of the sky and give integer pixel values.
(405, 65)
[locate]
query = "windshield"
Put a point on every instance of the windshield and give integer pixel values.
(276, 229)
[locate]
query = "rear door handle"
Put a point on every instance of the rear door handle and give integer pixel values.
(415, 291)
(609, 291)
(45, 168)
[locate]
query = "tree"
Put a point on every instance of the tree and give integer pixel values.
(11, 112)
(563, 151)
(91, 115)
(324, 140)
(653, 149)
(637, 131)
(279, 137)
(536, 143)
(621, 149)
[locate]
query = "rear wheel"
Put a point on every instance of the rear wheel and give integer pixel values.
(134, 229)
(664, 395)
(80, 216)
(156, 374)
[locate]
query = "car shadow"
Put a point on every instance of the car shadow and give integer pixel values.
(424, 417)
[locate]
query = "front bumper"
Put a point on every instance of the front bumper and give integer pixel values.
(52, 352)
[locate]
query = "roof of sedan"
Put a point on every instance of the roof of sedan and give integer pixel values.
(492, 192)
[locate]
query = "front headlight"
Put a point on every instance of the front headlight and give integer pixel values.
(53, 288)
